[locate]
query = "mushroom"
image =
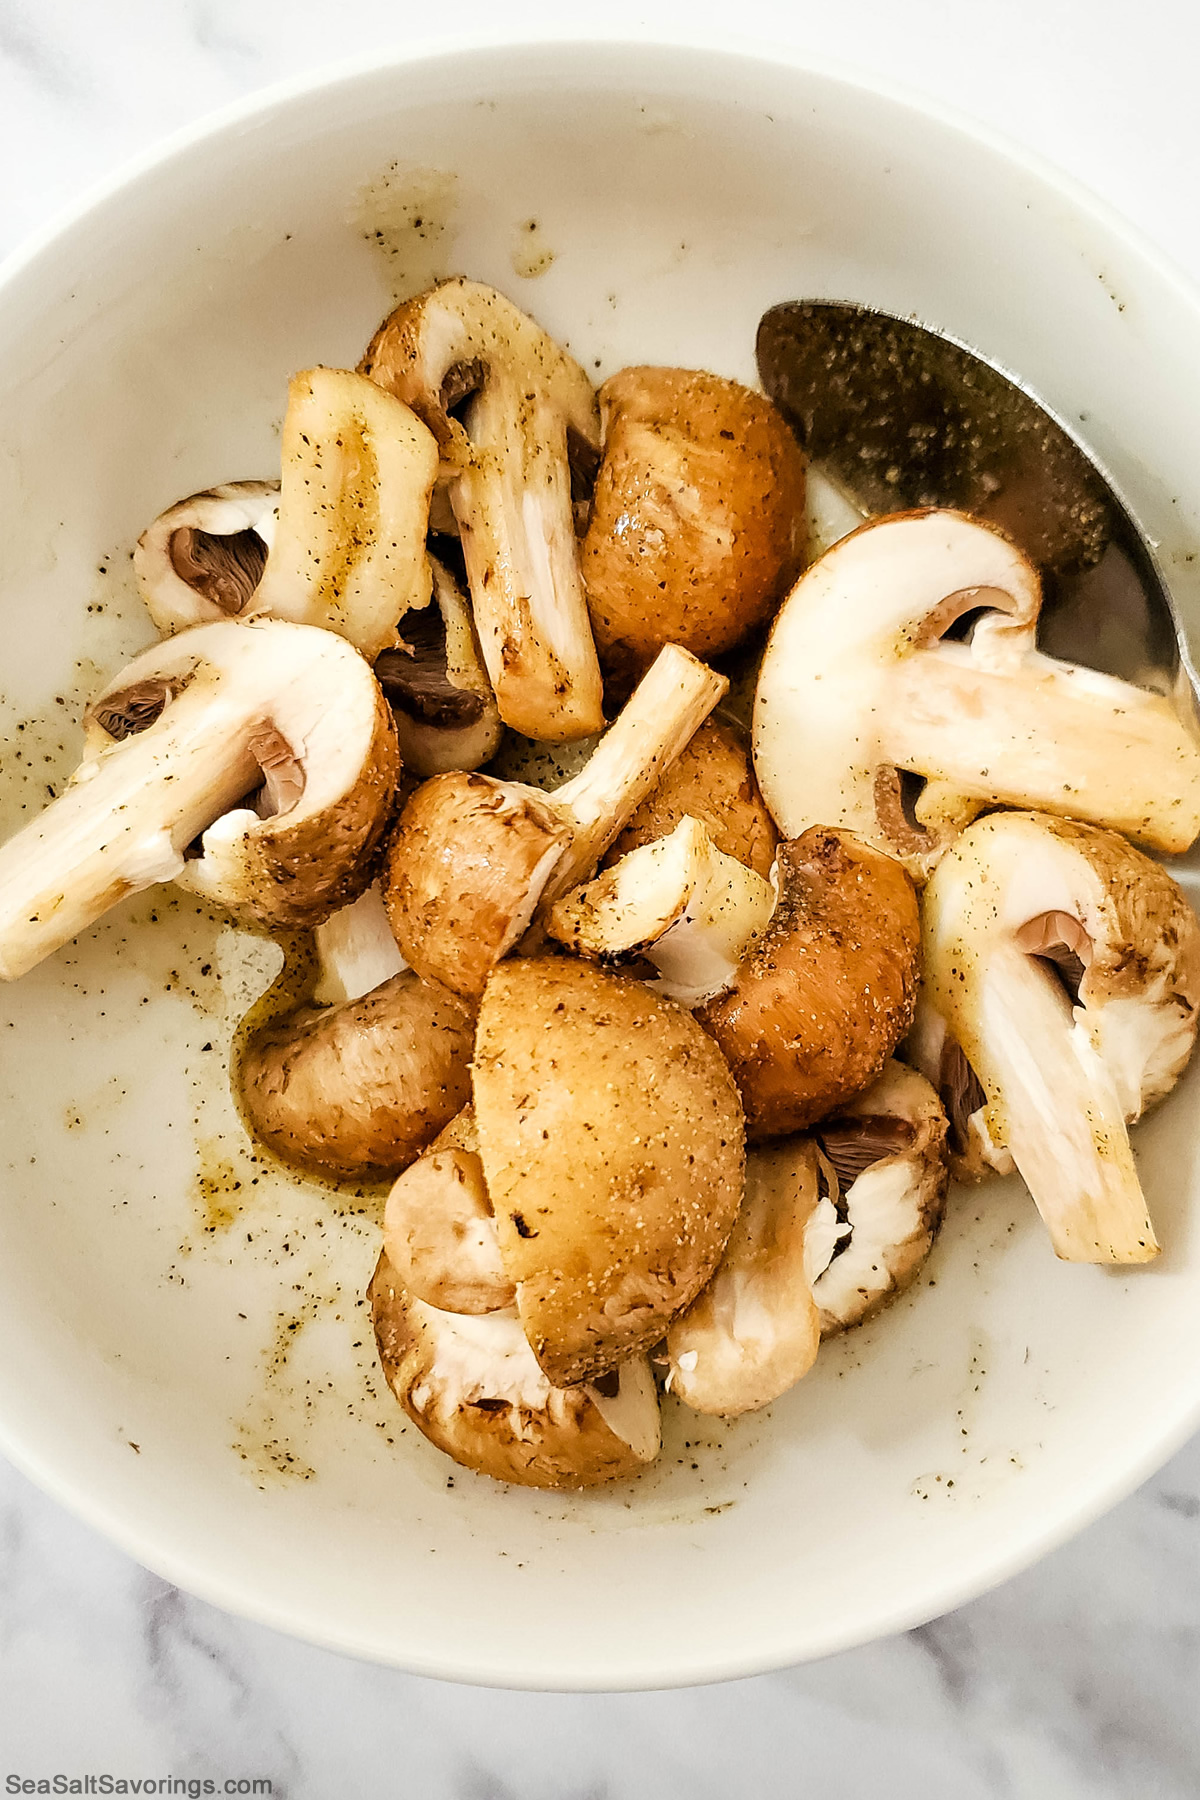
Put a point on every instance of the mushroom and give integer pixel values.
(202, 559)
(755, 1330)
(437, 687)
(826, 992)
(357, 1090)
(474, 1388)
(860, 684)
(697, 521)
(611, 1139)
(349, 547)
(355, 950)
(439, 1229)
(1062, 967)
(471, 859)
(710, 780)
(883, 1158)
(254, 764)
(514, 415)
(678, 902)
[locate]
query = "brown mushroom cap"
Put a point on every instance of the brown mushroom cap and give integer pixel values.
(697, 522)
(712, 781)
(612, 1143)
(472, 1386)
(357, 1091)
(825, 994)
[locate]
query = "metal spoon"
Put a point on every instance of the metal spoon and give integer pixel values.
(901, 416)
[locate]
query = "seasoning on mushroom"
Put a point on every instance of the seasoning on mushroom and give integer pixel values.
(860, 685)
(202, 559)
(611, 1139)
(697, 520)
(824, 994)
(252, 763)
(1062, 978)
(437, 687)
(474, 1388)
(710, 780)
(515, 417)
(471, 859)
(679, 903)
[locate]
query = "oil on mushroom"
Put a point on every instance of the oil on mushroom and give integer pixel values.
(860, 685)
(1062, 979)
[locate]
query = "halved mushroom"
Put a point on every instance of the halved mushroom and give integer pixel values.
(679, 903)
(697, 521)
(349, 547)
(202, 559)
(824, 995)
(611, 1139)
(254, 764)
(472, 860)
(437, 686)
(755, 1330)
(474, 1388)
(883, 1199)
(710, 780)
(355, 950)
(356, 1091)
(512, 413)
(1063, 967)
(860, 684)
(439, 1229)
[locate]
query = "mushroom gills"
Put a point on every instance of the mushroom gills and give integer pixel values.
(437, 687)
(680, 903)
(203, 559)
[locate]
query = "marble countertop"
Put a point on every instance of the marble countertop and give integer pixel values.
(1078, 1681)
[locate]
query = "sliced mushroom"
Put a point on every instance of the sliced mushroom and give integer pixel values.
(885, 1193)
(202, 559)
(697, 520)
(510, 410)
(471, 859)
(824, 995)
(860, 684)
(437, 686)
(254, 764)
(710, 780)
(439, 1230)
(355, 950)
(349, 550)
(474, 1388)
(1064, 967)
(611, 1139)
(356, 1091)
(679, 903)
(755, 1330)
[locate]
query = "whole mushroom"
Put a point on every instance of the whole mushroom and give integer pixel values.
(697, 522)
(1062, 979)
(611, 1140)
(860, 684)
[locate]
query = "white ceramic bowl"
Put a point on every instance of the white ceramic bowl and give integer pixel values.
(184, 1355)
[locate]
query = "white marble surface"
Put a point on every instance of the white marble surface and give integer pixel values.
(1080, 1680)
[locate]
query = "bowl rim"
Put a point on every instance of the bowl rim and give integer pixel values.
(1119, 1479)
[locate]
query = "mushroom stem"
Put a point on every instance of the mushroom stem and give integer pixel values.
(1047, 735)
(680, 902)
(123, 823)
(1063, 1118)
(671, 701)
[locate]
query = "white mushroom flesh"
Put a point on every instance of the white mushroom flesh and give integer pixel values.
(355, 950)
(439, 1228)
(442, 701)
(859, 683)
(681, 903)
(203, 559)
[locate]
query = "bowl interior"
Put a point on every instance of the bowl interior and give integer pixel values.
(186, 1354)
